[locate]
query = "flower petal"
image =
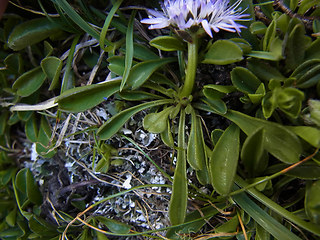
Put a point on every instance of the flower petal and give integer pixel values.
(206, 27)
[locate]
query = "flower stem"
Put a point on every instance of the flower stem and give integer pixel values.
(191, 68)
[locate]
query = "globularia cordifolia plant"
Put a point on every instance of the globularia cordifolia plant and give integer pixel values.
(229, 86)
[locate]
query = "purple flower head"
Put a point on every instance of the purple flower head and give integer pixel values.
(210, 14)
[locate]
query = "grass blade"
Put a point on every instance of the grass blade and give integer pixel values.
(129, 51)
(271, 225)
(311, 227)
(107, 23)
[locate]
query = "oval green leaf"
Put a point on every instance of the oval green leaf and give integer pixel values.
(307, 133)
(167, 43)
(29, 82)
(253, 154)
(224, 160)
(279, 141)
(114, 226)
(223, 52)
(157, 122)
(31, 129)
(52, 66)
(244, 80)
(295, 47)
(312, 202)
(196, 155)
(31, 32)
(289, 100)
(264, 71)
(141, 72)
(80, 99)
(166, 136)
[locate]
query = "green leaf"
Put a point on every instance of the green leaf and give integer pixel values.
(314, 108)
(220, 88)
(276, 229)
(275, 135)
(14, 63)
(116, 64)
(224, 160)
(168, 43)
(157, 122)
(11, 217)
(103, 165)
(78, 20)
(107, 22)
(258, 95)
(114, 124)
(271, 56)
(269, 104)
(228, 227)
(31, 32)
(194, 221)
(30, 100)
(141, 72)
(166, 136)
(253, 154)
(131, 95)
(203, 176)
(269, 36)
(316, 26)
(305, 70)
(52, 66)
(47, 49)
(264, 71)
(196, 155)
(215, 135)
(129, 51)
(310, 78)
(31, 129)
(306, 5)
(44, 139)
(313, 51)
(41, 227)
(223, 52)
(142, 52)
(179, 196)
(12, 233)
(312, 202)
(68, 75)
(306, 171)
(114, 226)
(244, 80)
(213, 99)
(7, 175)
(83, 98)
(289, 101)
(295, 47)
(283, 23)
(29, 82)
(243, 44)
(26, 184)
(33, 192)
(258, 28)
(294, 4)
(273, 206)
(307, 133)
(3, 121)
